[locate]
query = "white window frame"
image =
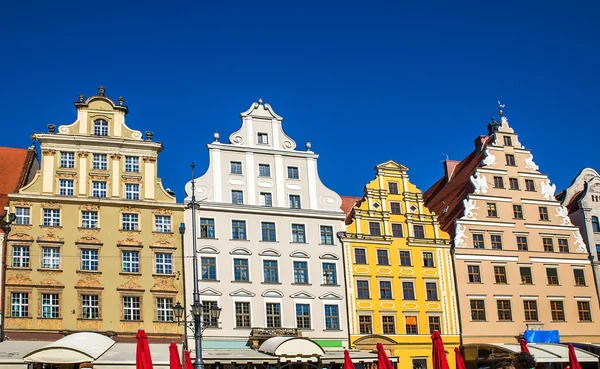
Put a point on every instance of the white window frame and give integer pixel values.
(263, 199)
(163, 306)
(240, 257)
(90, 259)
(296, 260)
(89, 219)
(262, 138)
(321, 235)
(66, 187)
(50, 302)
(129, 305)
(310, 313)
(262, 265)
(99, 189)
(21, 256)
(267, 168)
(21, 304)
(297, 170)
(302, 230)
(132, 164)
(132, 222)
(162, 223)
(90, 307)
(132, 191)
(293, 202)
(67, 159)
(165, 261)
(231, 166)
(337, 274)
(340, 326)
(131, 261)
(51, 217)
(50, 257)
(101, 127)
(99, 162)
(23, 215)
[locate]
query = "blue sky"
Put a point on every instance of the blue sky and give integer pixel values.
(365, 82)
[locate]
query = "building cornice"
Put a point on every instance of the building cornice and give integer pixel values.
(49, 140)
(257, 150)
(273, 211)
(96, 200)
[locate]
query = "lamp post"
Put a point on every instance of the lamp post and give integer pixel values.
(5, 225)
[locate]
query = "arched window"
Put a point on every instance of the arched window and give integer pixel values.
(100, 127)
(595, 224)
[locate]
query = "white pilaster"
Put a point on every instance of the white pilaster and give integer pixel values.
(82, 116)
(250, 179)
(311, 166)
(83, 183)
(279, 180)
(149, 179)
(48, 173)
(218, 180)
(116, 180)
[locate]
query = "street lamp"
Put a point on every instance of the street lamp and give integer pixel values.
(5, 225)
(196, 309)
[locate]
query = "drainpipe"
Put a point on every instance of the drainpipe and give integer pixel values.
(460, 328)
(340, 236)
(185, 335)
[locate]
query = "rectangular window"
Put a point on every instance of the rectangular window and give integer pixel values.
(558, 311)
(262, 138)
(266, 199)
(397, 230)
(293, 173)
(522, 243)
(268, 231)
(164, 263)
(131, 308)
(388, 324)
(99, 162)
(270, 271)
(548, 244)
(496, 241)
(435, 324)
(50, 305)
(237, 197)
(365, 325)
(491, 210)
(395, 208)
(132, 191)
(513, 183)
(89, 219)
(19, 305)
(431, 291)
(510, 160)
(330, 274)
(362, 290)
(579, 277)
(298, 233)
(66, 187)
(478, 242)
(393, 188)
(99, 189)
(478, 310)
(132, 164)
(100, 127)
(89, 259)
(408, 290)
(419, 231)
(164, 309)
(552, 274)
(273, 315)
(374, 229)
(583, 310)
(67, 160)
(385, 290)
(563, 245)
(498, 182)
(507, 141)
(242, 314)
(20, 257)
(360, 256)
(264, 170)
(517, 212)
(295, 202)
(23, 215)
(207, 318)
(52, 217)
(543, 213)
(300, 272)
(207, 228)
(410, 322)
(530, 309)
(303, 316)
(474, 273)
(529, 185)
(238, 229)
(90, 308)
(383, 257)
(240, 270)
(326, 235)
(500, 274)
(235, 167)
(130, 261)
(525, 275)
(129, 222)
(428, 259)
(50, 257)
(504, 310)
(162, 223)
(209, 268)
(405, 259)
(332, 317)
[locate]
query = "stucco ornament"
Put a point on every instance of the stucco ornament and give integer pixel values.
(563, 213)
(530, 164)
(470, 206)
(459, 238)
(480, 183)
(579, 242)
(490, 159)
(548, 190)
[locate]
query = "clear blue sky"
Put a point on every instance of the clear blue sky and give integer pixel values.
(365, 82)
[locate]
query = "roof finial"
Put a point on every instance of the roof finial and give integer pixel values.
(501, 106)
(260, 101)
(101, 91)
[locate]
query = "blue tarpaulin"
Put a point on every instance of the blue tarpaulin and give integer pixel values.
(542, 336)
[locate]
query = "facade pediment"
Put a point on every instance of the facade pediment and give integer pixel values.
(302, 295)
(19, 279)
(50, 282)
(130, 242)
(242, 293)
(331, 296)
(210, 292)
(130, 286)
(89, 240)
(240, 251)
(208, 250)
(89, 281)
(329, 256)
(272, 293)
(50, 237)
(164, 285)
(20, 237)
(269, 252)
(391, 164)
(300, 254)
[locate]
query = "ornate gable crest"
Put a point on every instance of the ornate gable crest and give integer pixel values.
(20, 237)
(88, 207)
(19, 279)
(89, 240)
(130, 286)
(163, 243)
(50, 237)
(51, 282)
(89, 281)
(130, 242)
(162, 211)
(164, 285)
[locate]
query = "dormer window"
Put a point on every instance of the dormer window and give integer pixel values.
(263, 138)
(100, 127)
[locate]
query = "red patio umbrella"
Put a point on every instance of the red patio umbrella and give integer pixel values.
(174, 362)
(348, 364)
(439, 354)
(573, 362)
(460, 362)
(143, 359)
(188, 360)
(383, 362)
(524, 347)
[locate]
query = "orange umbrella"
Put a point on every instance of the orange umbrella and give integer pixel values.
(174, 362)
(439, 354)
(348, 364)
(460, 362)
(188, 360)
(573, 362)
(383, 362)
(524, 347)
(143, 358)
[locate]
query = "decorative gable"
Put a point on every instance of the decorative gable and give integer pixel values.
(272, 293)
(269, 252)
(240, 251)
(210, 292)
(329, 256)
(331, 296)
(242, 293)
(300, 254)
(302, 295)
(208, 250)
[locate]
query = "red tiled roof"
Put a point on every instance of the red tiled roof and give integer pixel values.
(573, 205)
(15, 165)
(348, 203)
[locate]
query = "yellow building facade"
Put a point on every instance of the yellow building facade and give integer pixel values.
(400, 278)
(95, 246)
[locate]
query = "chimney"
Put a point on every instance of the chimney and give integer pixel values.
(479, 142)
(449, 166)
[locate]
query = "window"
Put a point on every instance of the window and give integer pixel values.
(52, 217)
(385, 290)
(395, 208)
(207, 228)
(268, 231)
(543, 213)
(478, 242)
(498, 182)
(435, 324)
(428, 259)
(237, 197)
(264, 170)
(362, 290)
(397, 230)
(263, 138)
(552, 274)
(298, 233)
(294, 201)
(164, 263)
(330, 274)
(388, 324)
(99, 189)
(500, 274)
(558, 311)
(238, 229)
(595, 224)
(522, 243)
(67, 160)
(99, 162)
(419, 363)
(240, 270)
(90, 308)
(302, 316)
(507, 141)
(583, 309)
(548, 244)
(89, 259)
(20, 257)
(491, 210)
(510, 160)
(478, 310)
(273, 315)
(504, 310)
(419, 231)
(300, 272)
(408, 290)
(374, 229)
(235, 167)
(207, 318)
(242, 314)
(360, 256)
(100, 127)
(530, 309)
(526, 275)
(579, 277)
(131, 308)
(19, 305)
(365, 325)
(474, 273)
(129, 222)
(50, 258)
(271, 272)
(162, 223)
(132, 191)
(517, 211)
(89, 219)
(383, 257)
(164, 309)
(326, 235)
(209, 268)
(431, 291)
(563, 245)
(130, 261)
(513, 183)
(132, 164)
(266, 199)
(293, 173)
(23, 216)
(405, 259)
(393, 188)
(66, 187)
(410, 322)
(496, 241)
(529, 185)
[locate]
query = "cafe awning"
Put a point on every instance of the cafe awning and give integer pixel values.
(546, 352)
(292, 348)
(73, 349)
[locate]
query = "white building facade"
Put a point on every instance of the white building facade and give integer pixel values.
(268, 253)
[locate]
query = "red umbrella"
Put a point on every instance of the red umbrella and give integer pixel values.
(348, 364)
(188, 360)
(439, 354)
(573, 362)
(524, 347)
(143, 359)
(383, 362)
(174, 362)
(460, 362)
